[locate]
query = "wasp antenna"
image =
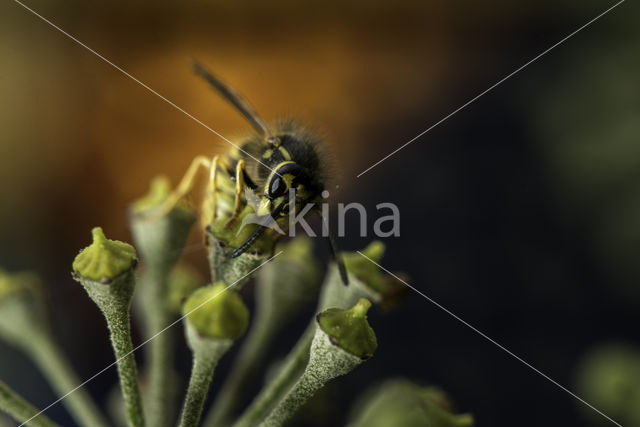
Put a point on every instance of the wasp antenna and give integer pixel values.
(256, 234)
(235, 99)
(337, 257)
(247, 244)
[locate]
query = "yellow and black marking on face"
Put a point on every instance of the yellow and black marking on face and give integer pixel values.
(279, 167)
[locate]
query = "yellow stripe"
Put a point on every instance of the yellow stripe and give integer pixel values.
(273, 171)
(285, 153)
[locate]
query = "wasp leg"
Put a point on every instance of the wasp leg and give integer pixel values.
(240, 184)
(185, 186)
(211, 199)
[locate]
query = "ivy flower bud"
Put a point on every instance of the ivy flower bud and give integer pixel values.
(215, 317)
(381, 287)
(283, 287)
(104, 260)
(160, 240)
(224, 237)
(217, 312)
(106, 271)
(401, 403)
(160, 236)
(349, 329)
(366, 280)
(609, 378)
(342, 341)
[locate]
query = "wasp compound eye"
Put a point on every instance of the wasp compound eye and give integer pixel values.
(277, 187)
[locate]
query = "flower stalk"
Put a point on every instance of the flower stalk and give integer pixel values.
(21, 410)
(342, 341)
(23, 323)
(365, 281)
(283, 288)
(215, 318)
(106, 271)
(160, 241)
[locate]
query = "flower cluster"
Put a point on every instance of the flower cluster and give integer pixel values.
(150, 282)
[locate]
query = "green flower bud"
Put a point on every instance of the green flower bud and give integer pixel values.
(368, 281)
(365, 281)
(104, 259)
(347, 341)
(224, 237)
(609, 378)
(283, 288)
(401, 403)
(160, 240)
(235, 234)
(159, 191)
(215, 318)
(217, 312)
(105, 270)
(349, 329)
(362, 269)
(160, 235)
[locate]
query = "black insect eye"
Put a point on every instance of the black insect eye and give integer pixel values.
(277, 187)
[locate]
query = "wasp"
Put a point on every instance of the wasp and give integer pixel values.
(279, 169)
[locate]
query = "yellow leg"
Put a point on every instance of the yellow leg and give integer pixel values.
(213, 184)
(209, 205)
(185, 186)
(237, 207)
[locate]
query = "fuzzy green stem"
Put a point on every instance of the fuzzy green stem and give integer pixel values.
(106, 271)
(201, 377)
(303, 390)
(21, 410)
(161, 404)
(54, 365)
(119, 326)
(160, 352)
(272, 392)
(206, 354)
(160, 242)
(23, 323)
(326, 362)
(251, 354)
(283, 289)
(334, 294)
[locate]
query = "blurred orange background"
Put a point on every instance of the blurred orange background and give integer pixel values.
(494, 218)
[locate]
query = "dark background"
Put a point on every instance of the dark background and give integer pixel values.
(521, 213)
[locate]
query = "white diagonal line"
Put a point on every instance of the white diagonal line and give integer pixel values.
(149, 339)
(182, 110)
(494, 342)
(490, 88)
